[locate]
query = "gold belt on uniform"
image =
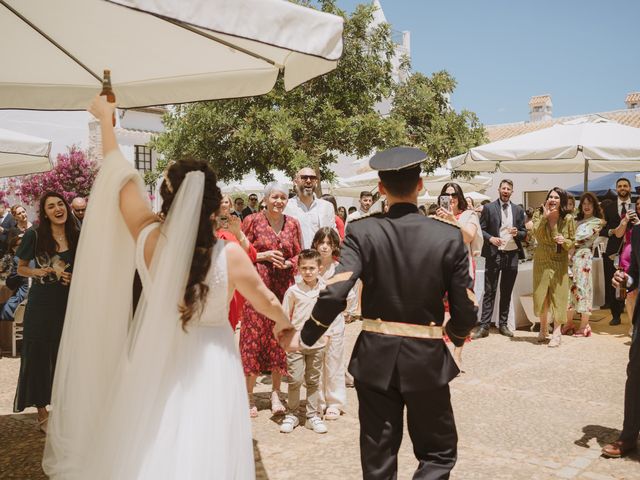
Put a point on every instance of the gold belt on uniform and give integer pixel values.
(401, 329)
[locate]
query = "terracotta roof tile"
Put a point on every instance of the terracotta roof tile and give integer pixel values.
(633, 97)
(540, 100)
(630, 117)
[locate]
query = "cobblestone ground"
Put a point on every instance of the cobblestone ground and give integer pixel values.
(524, 411)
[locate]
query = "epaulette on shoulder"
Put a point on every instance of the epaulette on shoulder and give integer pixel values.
(444, 220)
(368, 215)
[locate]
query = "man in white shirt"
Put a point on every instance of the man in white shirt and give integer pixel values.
(366, 200)
(312, 213)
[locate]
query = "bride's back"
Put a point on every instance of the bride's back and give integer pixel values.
(216, 308)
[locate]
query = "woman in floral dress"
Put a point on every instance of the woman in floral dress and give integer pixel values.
(277, 238)
(590, 222)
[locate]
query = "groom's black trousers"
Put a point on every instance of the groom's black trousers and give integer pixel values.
(430, 423)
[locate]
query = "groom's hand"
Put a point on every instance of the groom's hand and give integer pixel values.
(289, 340)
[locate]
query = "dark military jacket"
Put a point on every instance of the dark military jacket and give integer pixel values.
(407, 262)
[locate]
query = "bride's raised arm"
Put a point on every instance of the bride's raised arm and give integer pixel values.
(134, 207)
(244, 278)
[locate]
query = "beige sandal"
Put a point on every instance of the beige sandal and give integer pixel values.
(253, 410)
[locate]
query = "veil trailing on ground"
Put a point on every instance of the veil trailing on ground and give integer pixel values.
(106, 396)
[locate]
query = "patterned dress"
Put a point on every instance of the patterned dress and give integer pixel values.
(581, 293)
(550, 267)
(259, 349)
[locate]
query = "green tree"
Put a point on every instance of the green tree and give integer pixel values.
(309, 125)
(422, 103)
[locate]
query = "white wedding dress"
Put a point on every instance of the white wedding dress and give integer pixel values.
(141, 398)
(203, 426)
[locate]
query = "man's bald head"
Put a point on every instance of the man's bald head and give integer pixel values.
(79, 206)
(306, 181)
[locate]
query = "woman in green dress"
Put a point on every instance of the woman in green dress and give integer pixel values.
(46, 255)
(554, 230)
(590, 222)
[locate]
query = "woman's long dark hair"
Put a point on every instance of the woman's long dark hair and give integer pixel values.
(46, 243)
(334, 239)
(197, 289)
(563, 201)
(597, 210)
(462, 202)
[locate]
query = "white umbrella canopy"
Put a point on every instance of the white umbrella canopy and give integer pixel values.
(580, 145)
(432, 197)
(22, 154)
(251, 184)
(352, 186)
(58, 50)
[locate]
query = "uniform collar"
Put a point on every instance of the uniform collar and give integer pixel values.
(400, 209)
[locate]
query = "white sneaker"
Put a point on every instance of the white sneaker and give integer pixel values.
(289, 423)
(316, 424)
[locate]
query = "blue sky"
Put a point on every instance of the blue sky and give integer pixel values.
(585, 53)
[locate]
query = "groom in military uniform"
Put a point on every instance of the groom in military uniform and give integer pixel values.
(407, 263)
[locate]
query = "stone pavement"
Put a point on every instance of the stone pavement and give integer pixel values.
(524, 411)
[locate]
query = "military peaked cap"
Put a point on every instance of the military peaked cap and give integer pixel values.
(397, 159)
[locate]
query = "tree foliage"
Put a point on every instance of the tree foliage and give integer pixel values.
(422, 102)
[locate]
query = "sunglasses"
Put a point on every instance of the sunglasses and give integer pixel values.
(262, 207)
(253, 199)
(449, 195)
(308, 177)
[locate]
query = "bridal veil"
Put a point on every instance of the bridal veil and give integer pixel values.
(109, 368)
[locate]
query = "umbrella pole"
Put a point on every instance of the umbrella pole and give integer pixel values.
(586, 175)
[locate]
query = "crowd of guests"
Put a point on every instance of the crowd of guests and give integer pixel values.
(561, 239)
(294, 243)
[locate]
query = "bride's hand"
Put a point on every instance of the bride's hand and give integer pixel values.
(288, 338)
(101, 109)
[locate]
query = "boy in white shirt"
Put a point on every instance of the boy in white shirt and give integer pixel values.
(304, 366)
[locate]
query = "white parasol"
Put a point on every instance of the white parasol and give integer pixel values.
(22, 154)
(197, 50)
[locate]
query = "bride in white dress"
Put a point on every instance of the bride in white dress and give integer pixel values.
(161, 396)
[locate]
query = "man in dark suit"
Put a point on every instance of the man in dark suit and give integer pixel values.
(503, 229)
(252, 207)
(7, 222)
(407, 262)
(613, 215)
(238, 206)
(628, 440)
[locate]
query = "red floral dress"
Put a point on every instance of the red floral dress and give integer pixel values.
(259, 349)
(237, 301)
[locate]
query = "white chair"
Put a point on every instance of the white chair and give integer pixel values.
(17, 327)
